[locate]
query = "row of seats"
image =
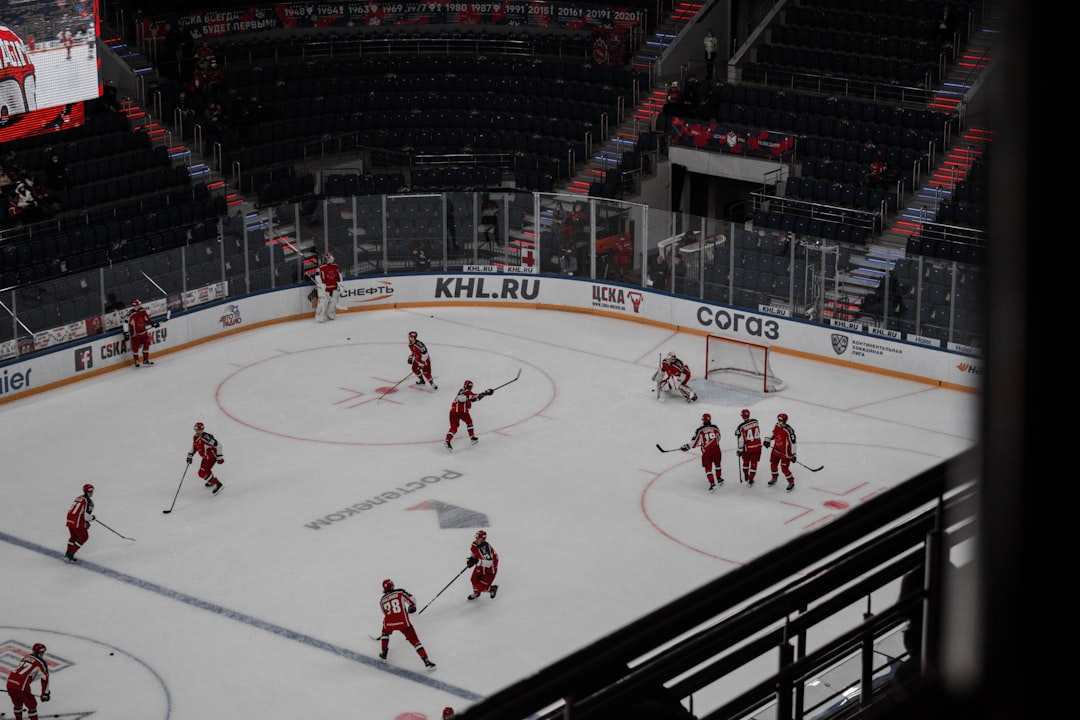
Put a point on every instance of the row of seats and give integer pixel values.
(904, 18)
(840, 194)
(856, 233)
(905, 40)
(914, 73)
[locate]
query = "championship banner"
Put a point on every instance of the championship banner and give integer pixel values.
(285, 16)
(719, 137)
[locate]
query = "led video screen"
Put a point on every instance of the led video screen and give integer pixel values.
(48, 64)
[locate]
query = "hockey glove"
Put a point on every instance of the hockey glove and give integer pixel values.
(220, 460)
(412, 609)
(155, 325)
(126, 337)
(471, 561)
(189, 459)
(684, 448)
(738, 453)
(766, 442)
(792, 458)
(489, 391)
(45, 696)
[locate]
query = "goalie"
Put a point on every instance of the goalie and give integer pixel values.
(673, 376)
(327, 278)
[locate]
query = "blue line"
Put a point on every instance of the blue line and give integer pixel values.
(247, 620)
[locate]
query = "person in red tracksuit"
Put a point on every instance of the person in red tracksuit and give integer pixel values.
(707, 438)
(783, 450)
(420, 361)
(20, 682)
(459, 412)
(397, 605)
(485, 564)
(748, 439)
(210, 450)
(79, 517)
(137, 330)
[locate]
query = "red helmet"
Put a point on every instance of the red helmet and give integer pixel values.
(39, 648)
(88, 489)
(412, 336)
(481, 535)
(706, 418)
(328, 258)
(387, 585)
(468, 385)
(135, 302)
(782, 418)
(199, 427)
(447, 712)
(745, 414)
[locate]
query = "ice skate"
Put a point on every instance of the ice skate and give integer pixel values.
(474, 440)
(217, 488)
(474, 595)
(494, 589)
(449, 447)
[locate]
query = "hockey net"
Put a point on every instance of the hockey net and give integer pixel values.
(740, 363)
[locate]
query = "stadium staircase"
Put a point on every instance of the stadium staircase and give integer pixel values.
(957, 93)
(609, 156)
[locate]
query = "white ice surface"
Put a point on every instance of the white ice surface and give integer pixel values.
(259, 602)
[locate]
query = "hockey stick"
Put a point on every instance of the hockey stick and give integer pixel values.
(663, 450)
(177, 490)
(113, 531)
(820, 467)
(508, 381)
(452, 581)
(393, 387)
(168, 310)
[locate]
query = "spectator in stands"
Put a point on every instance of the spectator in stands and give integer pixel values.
(691, 97)
(205, 52)
(6, 183)
(945, 26)
(661, 273)
(568, 262)
(712, 45)
(423, 262)
(56, 174)
(877, 169)
(678, 272)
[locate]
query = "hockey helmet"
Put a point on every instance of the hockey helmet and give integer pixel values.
(447, 712)
(481, 535)
(199, 427)
(135, 302)
(328, 258)
(39, 648)
(782, 418)
(745, 414)
(88, 489)
(468, 385)
(670, 355)
(387, 585)
(412, 336)
(706, 418)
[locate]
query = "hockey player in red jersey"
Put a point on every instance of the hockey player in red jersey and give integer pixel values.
(397, 605)
(137, 331)
(420, 361)
(447, 713)
(485, 564)
(674, 376)
(79, 517)
(748, 439)
(209, 449)
(327, 280)
(20, 681)
(707, 438)
(460, 412)
(783, 450)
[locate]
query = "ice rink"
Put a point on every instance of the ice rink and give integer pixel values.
(261, 601)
